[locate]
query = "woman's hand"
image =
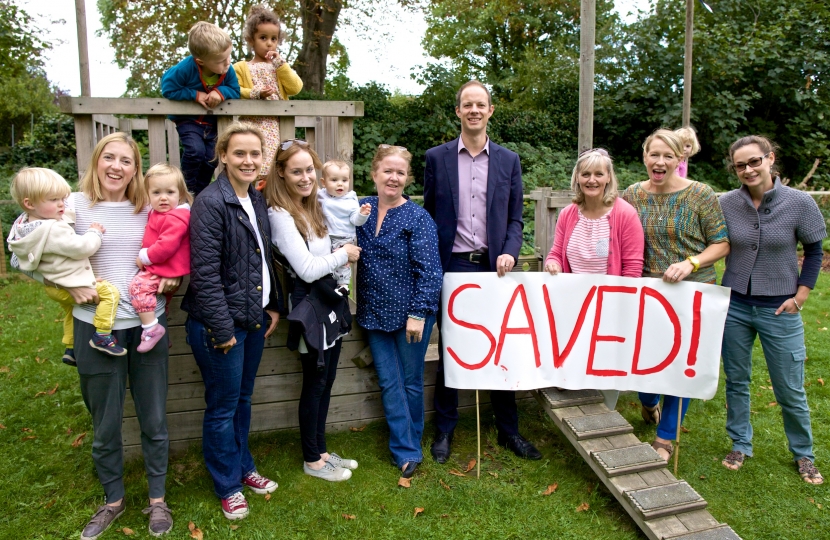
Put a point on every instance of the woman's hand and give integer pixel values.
(787, 307)
(139, 264)
(352, 251)
(169, 285)
(553, 267)
(227, 346)
(678, 272)
(275, 319)
(83, 295)
(414, 330)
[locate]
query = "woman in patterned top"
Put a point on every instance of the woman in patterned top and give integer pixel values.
(398, 285)
(685, 235)
(599, 233)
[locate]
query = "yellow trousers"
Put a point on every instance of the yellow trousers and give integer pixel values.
(104, 314)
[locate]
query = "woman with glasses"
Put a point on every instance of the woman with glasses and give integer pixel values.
(766, 221)
(398, 285)
(301, 237)
(685, 234)
(599, 233)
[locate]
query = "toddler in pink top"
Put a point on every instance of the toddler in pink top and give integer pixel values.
(165, 250)
(691, 146)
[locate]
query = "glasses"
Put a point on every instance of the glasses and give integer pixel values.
(754, 162)
(287, 144)
(386, 146)
(601, 151)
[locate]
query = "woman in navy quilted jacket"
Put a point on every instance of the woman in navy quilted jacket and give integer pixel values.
(233, 307)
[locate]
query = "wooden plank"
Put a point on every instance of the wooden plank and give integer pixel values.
(305, 122)
(364, 358)
(598, 444)
(559, 397)
(721, 532)
(344, 144)
(173, 156)
(84, 142)
(667, 526)
(157, 134)
(698, 520)
(666, 500)
(311, 137)
(107, 120)
(139, 124)
(231, 107)
(631, 459)
(125, 125)
(623, 441)
(597, 425)
(287, 128)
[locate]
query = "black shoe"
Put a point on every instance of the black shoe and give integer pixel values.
(409, 469)
(441, 447)
(69, 358)
(519, 446)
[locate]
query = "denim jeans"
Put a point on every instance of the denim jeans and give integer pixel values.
(229, 383)
(198, 145)
(315, 398)
(782, 339)
(400, 369)
(667, 429)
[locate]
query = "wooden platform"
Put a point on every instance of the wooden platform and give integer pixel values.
(661, 505)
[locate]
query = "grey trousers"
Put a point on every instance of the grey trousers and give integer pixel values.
(104, 387)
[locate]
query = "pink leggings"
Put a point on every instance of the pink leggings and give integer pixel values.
(143, 290)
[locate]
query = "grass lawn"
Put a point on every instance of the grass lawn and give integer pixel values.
(50, 488)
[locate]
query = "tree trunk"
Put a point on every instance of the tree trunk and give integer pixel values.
(319, 22)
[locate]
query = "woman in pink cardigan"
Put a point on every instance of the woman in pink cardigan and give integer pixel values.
(599, 233)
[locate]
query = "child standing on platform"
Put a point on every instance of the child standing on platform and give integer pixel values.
(690, 147)
(342, 212)
(165, 249)
(203, 77)
(43, 240)
(266, 76)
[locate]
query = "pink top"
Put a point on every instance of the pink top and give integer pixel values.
(682, 169)
(471, 231)
(167, 243)
(587, 250)
(625, 244)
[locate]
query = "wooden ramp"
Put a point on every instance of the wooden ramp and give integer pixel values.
(661, 505)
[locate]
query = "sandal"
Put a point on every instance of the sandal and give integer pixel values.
(668, 447)
(651, 415)
(734, 460)
(808, 472)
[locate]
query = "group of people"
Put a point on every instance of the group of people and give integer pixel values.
(254, 255)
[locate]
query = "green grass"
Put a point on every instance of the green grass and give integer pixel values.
(50, 489)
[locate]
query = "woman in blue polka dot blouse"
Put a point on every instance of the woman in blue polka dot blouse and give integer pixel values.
(398, 286)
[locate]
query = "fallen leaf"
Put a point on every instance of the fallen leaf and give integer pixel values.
(195, 532)
(487, 454)
(127, 531)
(4, 369)
(361, 428)
(470, 466)
(812, 500)
(444, 484)
(404, 482)
(493, 474)
(684, 429)
(50, 504)
(445, 515)
(582, 507)
(551, 489)
(234, 527)
(39, 360)
(26, 430)
(40, 394)
(53, 390)
(818, 506)
(79, 440)
(456, 472)
(821, 381)
(69, 431)
(823, 328)
(191, 526)
(349, 516)
(29, 438)
(772, 404)
(267, 496)
(418, 510)
(763, 387)
(703, 477)
(2, 426)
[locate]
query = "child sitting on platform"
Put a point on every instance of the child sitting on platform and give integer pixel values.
(690, 147)
(43, 240)
(342, 212)
(165, 249)
(202, 77)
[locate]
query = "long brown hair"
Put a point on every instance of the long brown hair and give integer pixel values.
(766, 146)
(90, 184)
(308, 215)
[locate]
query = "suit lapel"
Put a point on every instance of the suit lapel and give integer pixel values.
(451, 163)
(492, 175)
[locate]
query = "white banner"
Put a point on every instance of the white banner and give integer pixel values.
(532, 330)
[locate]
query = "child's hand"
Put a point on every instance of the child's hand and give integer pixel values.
(267, 91)
(272, 55)
(366, 209)
(213, 99)
(201, 99)
(139, 264)
(98, 227)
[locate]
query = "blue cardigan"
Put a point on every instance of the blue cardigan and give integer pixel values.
(182, 81)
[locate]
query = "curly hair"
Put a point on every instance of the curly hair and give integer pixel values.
(260, 14)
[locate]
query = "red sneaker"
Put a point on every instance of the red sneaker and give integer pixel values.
(235, 506)
(259, 484)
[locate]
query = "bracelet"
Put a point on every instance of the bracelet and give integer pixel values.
(796, 304)
(416, 318)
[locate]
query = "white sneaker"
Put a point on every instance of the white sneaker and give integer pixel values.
(328, 472)
(343, 463)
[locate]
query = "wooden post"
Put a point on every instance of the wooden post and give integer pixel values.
(156, 133)
(84, 141)
(287, 128)
(345, 145)
(173, 156)
(587, 24)
(687, 63)
(83, 47)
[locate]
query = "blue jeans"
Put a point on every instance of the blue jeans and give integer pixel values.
(782, 338)
(667, 429)
(229, 384)
(400, 369)
(198, 146)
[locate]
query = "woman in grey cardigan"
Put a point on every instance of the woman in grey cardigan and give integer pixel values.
(766, 220)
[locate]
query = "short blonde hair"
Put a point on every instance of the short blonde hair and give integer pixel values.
(339, 163)
(688, 135)
(205, 39)
(237, 128)
(163, 169)
(385, 150)
(669, 137)
(90, 184)
(589, 159)
(38, 184)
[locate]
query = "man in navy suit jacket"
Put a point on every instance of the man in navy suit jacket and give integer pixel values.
(473, 191)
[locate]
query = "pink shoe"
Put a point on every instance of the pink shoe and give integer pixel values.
(149, 338)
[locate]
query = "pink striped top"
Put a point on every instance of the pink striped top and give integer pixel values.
(587, 250)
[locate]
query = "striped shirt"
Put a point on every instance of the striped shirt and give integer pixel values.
(678, 225)
(588, 246)
(115, 260)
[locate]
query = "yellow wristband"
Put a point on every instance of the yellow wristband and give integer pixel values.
(695, 263)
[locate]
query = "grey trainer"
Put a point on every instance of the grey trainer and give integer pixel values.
(343, 463)
(328, 472)
(161, 519)
(101, 520)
